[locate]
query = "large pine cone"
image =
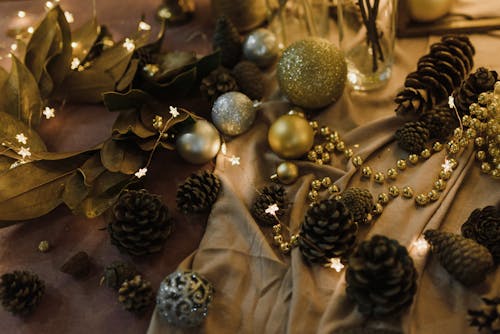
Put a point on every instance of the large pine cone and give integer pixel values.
(359, 202)
(135, 294)
(20, 291)
(438, 74)
(273, 194)
(139, 223)
(381, 277)
(412, 137)
(227, 39)
(441, 121)
(116, 273)
(198, 192)
(480, 81)
(250, 79)
(218, 82)
(466, 260)
(483, 226)
(328, 232)
(487, 319)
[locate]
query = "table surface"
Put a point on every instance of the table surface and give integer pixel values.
(82, 306)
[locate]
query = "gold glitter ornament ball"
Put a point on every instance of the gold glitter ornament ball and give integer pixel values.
(290, 136)
(312, 73)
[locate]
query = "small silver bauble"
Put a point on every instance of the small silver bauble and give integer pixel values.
(261, 47)
(183, 298)
(199, 142)
(233, 113)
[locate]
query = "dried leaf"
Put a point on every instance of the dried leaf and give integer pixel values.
(128, 122)
(87, 86)
(3, 76)
(85, 38)
(10, 127)
(128, 77)
(122, 156)
(133, 99)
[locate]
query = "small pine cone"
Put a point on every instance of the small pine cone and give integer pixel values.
(198, 192)
(412, 137)
(328, 232)
(441, 121)
(367, 330)
(116, 273)
(20, 291)
(466, 260)
(273, 194)
(480, 81)
(381, 278)
(139, 223)
(218, 82)
(483, 226)
(250, 79)
(227, 39)
(135, 294)
(359, 202)
(487, 318)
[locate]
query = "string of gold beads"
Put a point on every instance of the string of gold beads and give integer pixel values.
(279, 239)
(321, 153)
(319, 185)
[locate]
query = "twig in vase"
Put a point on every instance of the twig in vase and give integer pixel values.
(369, 15)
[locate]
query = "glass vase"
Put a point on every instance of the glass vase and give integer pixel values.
(367, 34)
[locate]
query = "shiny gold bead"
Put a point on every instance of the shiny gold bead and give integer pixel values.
(314, 125)
(485, 167)
(278, 240)
(452, 147)
(318, 149)
(325, 156)
(463, 142)
(367, 172)
(440, 185)
(466, 120)
(334, 137)
(433, 195)
(312, 156)
(338, 197)
(277, 229)
(379, 177)
(348, 153)
(445, 175)
(294, 240)
(44, 246)
(458, 133)
(357, 161)
(325, 131)
(285, 248)
(471, 133)
(340, 146)
(422, 199)
(316, 184)
(326, 182)
(413, 158)
(383, 198)
(330, 147)
(378, 209)
(392, 173)
(425, 153)
(453, 162)
(480, 155)
(319, 162)
(313, 195)
(333, 189)
(495, 173)
(401, 164)
(437, 146)
(394, 191)
(407, 192)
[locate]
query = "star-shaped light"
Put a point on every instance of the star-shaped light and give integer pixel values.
(49, 112)
(234, 160)
(129, 44)
(75, 62)
(141, 172)
(173, 111)
(24, 152)
(21, 138)
(448, 165)
(69, 17)
(272, 209)
(336, 264)
(451, 102)
(144, 26)
(421, 246)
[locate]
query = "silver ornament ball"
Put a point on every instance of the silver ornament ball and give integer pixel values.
(261, 47)
(183, 298)
(199, 142)
(233, 113)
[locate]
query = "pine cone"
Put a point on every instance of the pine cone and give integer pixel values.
(359, 202)
(327, 232)
(368, 330)
(20, 291)
(412, 100)
(227, 39)
(273, 194)
(139, 223)
(218, 82)
(487, 319)
(412, 137)
(116, 273)
(198, 192)
(466, 260)
(480, 81)
(135, 294)
(441, 121)
(250, 79)
(483, 226)
(381, 277)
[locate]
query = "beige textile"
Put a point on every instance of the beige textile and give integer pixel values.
(259, 290)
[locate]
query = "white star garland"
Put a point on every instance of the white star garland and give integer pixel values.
(141, 172)
(448, 165)
(336, 264)
(129, 44)
(21, 138)
(235, 161)
(272, 209)
(173, 111)
(451, 102)
(49, 112)
(24, 152)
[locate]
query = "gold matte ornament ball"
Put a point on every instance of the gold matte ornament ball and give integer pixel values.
(312, 73)
(290, 136)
